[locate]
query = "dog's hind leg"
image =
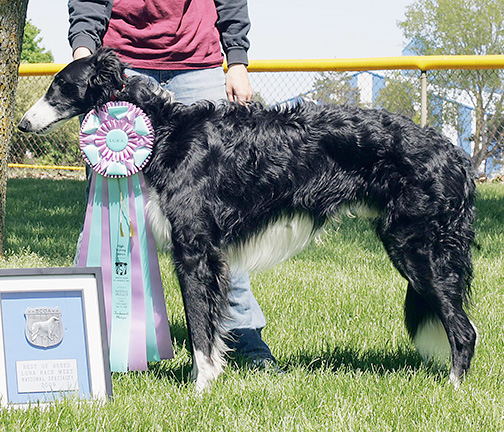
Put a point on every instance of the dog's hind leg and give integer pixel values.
(204, 285)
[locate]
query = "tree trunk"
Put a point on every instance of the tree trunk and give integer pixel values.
(12, 20)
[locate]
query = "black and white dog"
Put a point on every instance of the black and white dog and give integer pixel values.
(246, 187)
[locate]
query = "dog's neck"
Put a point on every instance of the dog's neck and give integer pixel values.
(153, 99)
(115, 96)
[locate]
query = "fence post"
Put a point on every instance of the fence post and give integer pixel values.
(423, 98)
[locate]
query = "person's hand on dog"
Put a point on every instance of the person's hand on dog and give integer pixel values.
(238, 88)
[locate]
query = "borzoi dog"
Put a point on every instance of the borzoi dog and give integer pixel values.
(225, 178)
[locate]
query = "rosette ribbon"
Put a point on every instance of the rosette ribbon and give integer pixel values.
(116, 142)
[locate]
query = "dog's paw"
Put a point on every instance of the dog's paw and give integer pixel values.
(455, 380)
(205, 370)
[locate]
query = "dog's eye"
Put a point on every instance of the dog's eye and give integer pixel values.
(64, 87)
(68, 89)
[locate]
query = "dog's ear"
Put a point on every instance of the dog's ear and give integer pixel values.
(107, 78)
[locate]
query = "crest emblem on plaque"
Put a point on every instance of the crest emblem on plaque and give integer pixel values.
(43, 326)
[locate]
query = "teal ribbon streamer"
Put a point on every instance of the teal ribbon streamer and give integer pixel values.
(121, 275)
(94, 253)
(151, 340)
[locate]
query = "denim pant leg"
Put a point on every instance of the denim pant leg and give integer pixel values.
(246, 319)
(244, 311)
(192, 86)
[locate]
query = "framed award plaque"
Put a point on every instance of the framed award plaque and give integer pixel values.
(53, 338)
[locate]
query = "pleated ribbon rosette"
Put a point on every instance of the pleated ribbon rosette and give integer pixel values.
(116, 142)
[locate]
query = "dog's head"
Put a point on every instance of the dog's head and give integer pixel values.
(82, 85)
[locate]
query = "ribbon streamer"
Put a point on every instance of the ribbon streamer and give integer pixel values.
(116, 141)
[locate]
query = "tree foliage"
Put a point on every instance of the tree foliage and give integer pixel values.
(455, 27)
(32, 51)
(335, 87)
(464, 27)
(401, 96)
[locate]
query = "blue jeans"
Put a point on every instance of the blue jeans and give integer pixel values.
(246, 319)
(189, 86)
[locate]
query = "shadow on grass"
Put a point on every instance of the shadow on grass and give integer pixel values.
(380, 362)
(489, 205)
(172, 369)
(340, 359)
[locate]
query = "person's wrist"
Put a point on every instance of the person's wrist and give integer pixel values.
(238, 86)
(237, 65)
(81, 52)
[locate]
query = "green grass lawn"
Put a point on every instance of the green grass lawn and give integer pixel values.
(334, 323)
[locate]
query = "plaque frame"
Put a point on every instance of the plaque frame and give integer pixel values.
(78, 292)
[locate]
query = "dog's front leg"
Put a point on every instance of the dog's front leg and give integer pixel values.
(204, 284)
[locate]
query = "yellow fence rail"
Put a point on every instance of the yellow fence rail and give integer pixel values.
(40, 69)
(422, 63)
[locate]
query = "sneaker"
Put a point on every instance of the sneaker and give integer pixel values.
(265, 364)
(248, 346)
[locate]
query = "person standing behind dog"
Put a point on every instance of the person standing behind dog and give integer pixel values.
(178, 43)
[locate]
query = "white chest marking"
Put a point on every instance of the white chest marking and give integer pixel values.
(279, 241)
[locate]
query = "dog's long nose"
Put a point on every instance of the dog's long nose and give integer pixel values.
(24, 125)
(39, 117)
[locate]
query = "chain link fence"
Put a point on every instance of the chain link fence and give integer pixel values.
(58, 148)
(465, 104)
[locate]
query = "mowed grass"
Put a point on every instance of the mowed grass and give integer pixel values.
(334, 323)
